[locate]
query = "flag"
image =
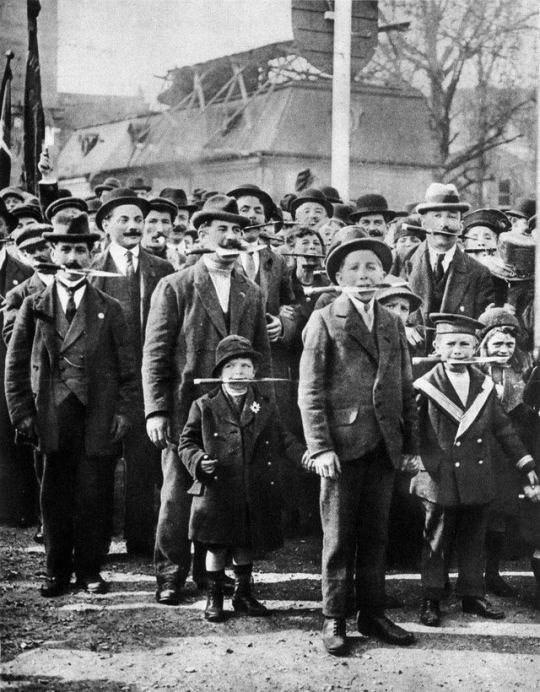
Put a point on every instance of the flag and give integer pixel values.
(34, 120)
(5, 124)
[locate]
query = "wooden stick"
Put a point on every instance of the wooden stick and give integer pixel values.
(218, 380)
(318, 290)
(454, 361)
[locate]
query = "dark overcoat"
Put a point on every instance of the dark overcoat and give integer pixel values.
(456, 442)
(240, 504)
(33, 355)
(338, 348)
(185, 325)
(14, 300)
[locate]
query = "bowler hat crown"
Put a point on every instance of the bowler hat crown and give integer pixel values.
(116, 198)
(372, 203)
(331, 194)
(312, 194)
(442, 196)
(164, 205)
(234, 346)
(107, 184)
(138, 183)
(251, 190)
(494, 219)
(525, 207)
(178, 196)
(342, 212)
(63, 203)
(68, 228)
(219, 207)
(348, 240)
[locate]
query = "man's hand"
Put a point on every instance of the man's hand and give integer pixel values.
(208, 465)
(413, 336)
(273, 327)
(27, 427)
(532, 493)
(119, 427)
(158, 430)
(411, 463)
(327, 465)
(532, 477)
(45, 166)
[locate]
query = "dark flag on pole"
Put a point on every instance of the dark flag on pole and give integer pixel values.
(34, 120)
(5, 124)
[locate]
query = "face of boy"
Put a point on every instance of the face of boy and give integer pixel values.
(399, 306)
(455, 347)
(237, 369)
(405, 244)
(361, 269)
(501, 345)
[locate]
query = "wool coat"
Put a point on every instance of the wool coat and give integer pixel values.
(338, 349)
(240, 504)
(14, 300)
(33, 356)
(185, 325)
(456, 441)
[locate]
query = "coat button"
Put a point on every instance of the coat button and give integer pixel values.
(272, 483)
(266, 442)
(457, 464)
(458, 444)
(215, 434)
(479, 440)
(215, 478)
(461, 308)
(269, 463)
(480, 461)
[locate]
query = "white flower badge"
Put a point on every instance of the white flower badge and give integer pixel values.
(255, 407)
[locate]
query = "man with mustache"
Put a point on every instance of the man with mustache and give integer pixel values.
(122, 216)
(158, 226)
(177, 246)
(69, 383)
(191, 312)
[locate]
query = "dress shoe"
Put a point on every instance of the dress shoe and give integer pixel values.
(482, 607)
(334, 636)
(54, 586)
(167, 594)
(430, 613)
(496, 585)
(383, 628)
(94, 584)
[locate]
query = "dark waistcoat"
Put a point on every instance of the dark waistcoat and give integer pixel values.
(70, 372)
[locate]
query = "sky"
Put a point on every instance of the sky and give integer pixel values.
(118, 46)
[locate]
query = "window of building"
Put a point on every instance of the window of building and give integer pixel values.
(505, 188)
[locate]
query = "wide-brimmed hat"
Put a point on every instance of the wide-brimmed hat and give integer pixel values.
(409, 226)
(372, 203)
(401, 291)
(164, 205)
(331, 194)
(116, 198)
(250, 190)
(310, 195)
(106, 185)
(137, 182)
(31, 210)
(453, 323)
(13, 192)
(9, 218)
(493, 219)
(32, 235)
(353, 238)
(441, 196)
(234, 346)
(524, 208)
(221, 208)
(64, 203)
(515, 260)
(71, 229)
(179, 197)
(497, 317)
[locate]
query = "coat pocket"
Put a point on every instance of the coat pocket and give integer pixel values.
(196, 489)
(345, 416)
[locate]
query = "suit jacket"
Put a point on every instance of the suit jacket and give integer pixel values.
(14, 300)
(185, 325)
(33, 355)
(337, 350)
(151, 269)
(469, 287)
(15, 273)
(456, 441)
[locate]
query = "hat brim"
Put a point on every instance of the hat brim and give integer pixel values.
(63, 203)
(302, 200)
(103, 188)
(30, 242)
(264, 197)
(102, 212)
(388, 214)
(255, 356)
(53, 237)
(27, 210)
(414, 301)
(423, 207)
(202, 216)
(337, 255)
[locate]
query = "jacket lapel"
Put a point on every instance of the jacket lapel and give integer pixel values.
(208, 297)
(479, 392)
(237, 299)
(355, 326)
(222, 408)
(420, 277)
(78, 325)
(96, 314)
(44, 311)
(456, 283)
(381, 327)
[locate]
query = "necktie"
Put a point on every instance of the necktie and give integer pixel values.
(130, 269)
(71, 308)
(251, 269)
(439, 269)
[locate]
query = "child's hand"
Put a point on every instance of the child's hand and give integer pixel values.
(208, 465)
(411, 463)
(532, 493)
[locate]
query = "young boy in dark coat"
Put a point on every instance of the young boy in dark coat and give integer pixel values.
(231, 446)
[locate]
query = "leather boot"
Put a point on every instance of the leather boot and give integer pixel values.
(214, 602)
(535, 566)
(430, 613)
(495, 584)
(243, 600)
(334, 636)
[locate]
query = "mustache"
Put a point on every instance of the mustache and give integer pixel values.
(72, 265)
(231, 244)
(133, 234)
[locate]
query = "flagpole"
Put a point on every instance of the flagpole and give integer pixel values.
(341, 97)
(5, 122)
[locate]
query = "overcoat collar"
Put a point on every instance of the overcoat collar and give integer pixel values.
(456, 283)
(208, 297)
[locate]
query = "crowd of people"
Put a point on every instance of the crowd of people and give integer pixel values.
(264, 366)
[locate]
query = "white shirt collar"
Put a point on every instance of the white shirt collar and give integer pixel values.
(118, 253)
(63, 294)
(2, 255)
(448, 257)
(47, 279)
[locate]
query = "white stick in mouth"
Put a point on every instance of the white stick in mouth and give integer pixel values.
(352, 290)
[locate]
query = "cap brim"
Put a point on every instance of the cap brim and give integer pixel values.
(450, 206)
(336, 256)
(414, 300)
(203, 216)
(253, 355)
(53, 237)
(102, 212)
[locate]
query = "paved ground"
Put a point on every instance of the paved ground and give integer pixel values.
(125, 641)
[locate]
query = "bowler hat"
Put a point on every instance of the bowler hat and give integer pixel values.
(32, 235)
(12, 192)
(493, 219)
(342, 212)
(331, 194)
(116, 198)
(179, 197)
(234, 346)
(440, 196)
(64, 203)
(250, 190)
(9, 218)
(454, 323)
(401, 291)
(516, 257)
(30, 210)
(524, 208)
(372, 204)
(93, 204)
(138, 183)
(164, 205)
(221, 208)
(352, 238)
(497, 317)
(310, 195)
(71, 229)
(106, 185)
